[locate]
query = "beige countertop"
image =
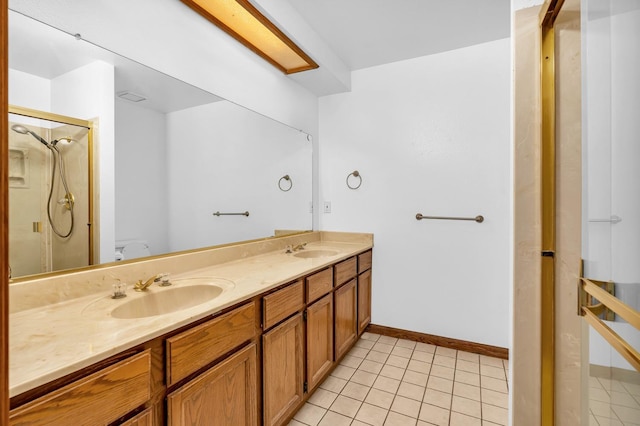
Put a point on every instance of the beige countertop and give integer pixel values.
(51, 341)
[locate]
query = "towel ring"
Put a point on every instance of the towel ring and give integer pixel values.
(287, 178)
(354, 173)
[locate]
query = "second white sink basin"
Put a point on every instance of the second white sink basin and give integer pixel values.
(312, 254)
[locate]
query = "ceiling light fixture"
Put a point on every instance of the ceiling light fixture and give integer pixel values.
(241, 20)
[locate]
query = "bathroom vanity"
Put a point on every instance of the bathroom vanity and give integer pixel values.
(251, 355)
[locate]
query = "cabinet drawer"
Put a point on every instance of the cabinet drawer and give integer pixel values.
(346, 270)
(282, 303)
(319, 284)
(364, 261)
(193, 349)
(99, 398)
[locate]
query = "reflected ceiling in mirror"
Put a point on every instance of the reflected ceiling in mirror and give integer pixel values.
(166, 155)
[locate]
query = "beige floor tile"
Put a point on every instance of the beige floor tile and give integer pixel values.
(495, 372)
(346, 406)
(443, 372)
(419, 366)
(467, 378)
(392, 372)
(632, 388)
(372, 415)
(495, 414)
(446, 351)
(595, 383)
(494, 384)
(468, 366)
(358, 352)
(397, 419)
(437, 398)
(333, 384)
(438, 383)
(355, 391)
(445, 361)
(492, 361)
(422, 356)
(605, 421)
(388, 340)
(310, 414)
(411, 391)
(359, 423)
(376, 356)
(334, 419)
(379, 398)
(600, 394)
(611, 385)
(602, 409)
(343, 372)
(408, 407)
(626, 400)
(498, 399)
(403, 352)
(459, 419)
(386, 384)
(468, 356)
(382, 347)
(370, 336)
(466, 406)
(404, 343)
(466, 391)
(397, 361)
(626, 414)
(351, 361)
(323, 398)
(363, 378)
(294, 422)
(365, 344)
(371, 366)
(415, 378)
(505, 364)
(434, 415)
(425, 347)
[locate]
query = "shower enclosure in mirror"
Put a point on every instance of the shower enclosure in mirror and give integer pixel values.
(611, 203)
(167, 155)
(50, 193)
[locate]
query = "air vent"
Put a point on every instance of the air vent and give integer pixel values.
(130, 96)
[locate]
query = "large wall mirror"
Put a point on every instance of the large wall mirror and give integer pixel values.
(131, 162)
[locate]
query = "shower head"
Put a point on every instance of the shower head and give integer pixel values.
(65, 141)
(18, 128)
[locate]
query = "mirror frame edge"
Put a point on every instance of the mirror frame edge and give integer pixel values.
(4, 214)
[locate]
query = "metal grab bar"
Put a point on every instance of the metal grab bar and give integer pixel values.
(613, 219)
(478, 218)
(620, 308)
(231, 214)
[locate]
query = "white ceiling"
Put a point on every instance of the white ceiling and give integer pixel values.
(365, 33)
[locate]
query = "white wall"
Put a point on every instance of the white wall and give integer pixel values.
(205, 176)
(141, 202)
(428, 135)
(29, 91)
(87, 93)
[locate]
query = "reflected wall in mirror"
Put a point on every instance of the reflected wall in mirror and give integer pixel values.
(166, 155)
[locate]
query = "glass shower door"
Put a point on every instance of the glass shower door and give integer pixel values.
(611, 199)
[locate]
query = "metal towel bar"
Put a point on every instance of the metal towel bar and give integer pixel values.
(231, 214)
(478, 218)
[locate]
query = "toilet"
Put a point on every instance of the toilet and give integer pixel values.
(132, 249)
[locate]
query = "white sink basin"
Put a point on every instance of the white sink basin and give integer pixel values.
(312, 254)
(182, 294)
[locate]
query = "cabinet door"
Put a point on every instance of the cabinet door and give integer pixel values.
(283, 370)
(319, 340)
(225, 394)
(364, 300)
(346, 300)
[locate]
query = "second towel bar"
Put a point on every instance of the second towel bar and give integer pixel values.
(478, 218)
(231, 214)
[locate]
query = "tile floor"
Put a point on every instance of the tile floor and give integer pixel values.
(613, 402)
(391, 382)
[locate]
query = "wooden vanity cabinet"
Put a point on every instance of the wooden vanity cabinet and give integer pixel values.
(319, 341)
(223, 395)
(346, 308)
(364, 290)
(100, 398)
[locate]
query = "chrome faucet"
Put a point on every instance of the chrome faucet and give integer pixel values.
(140, 286)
